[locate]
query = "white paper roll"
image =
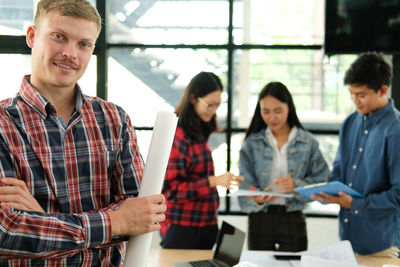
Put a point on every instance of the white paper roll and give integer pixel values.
(138, 251)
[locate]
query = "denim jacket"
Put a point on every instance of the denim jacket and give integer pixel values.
(304, 159)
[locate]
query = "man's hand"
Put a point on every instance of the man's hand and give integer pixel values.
(137, 216)
(15, 194)
(344, 200)
(285, 184)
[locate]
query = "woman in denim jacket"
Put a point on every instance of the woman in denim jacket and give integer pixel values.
(277, 151)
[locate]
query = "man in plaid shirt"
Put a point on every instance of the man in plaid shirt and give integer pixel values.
(69, 164)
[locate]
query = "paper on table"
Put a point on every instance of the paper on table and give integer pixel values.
(138, 250)
(310, 261)
(339, 252)
(245, 192)
(266, 258)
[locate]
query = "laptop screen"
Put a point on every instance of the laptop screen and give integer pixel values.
(229, 244)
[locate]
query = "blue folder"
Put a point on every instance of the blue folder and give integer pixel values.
(331, 188)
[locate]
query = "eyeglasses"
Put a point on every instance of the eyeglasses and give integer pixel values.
(209, 106)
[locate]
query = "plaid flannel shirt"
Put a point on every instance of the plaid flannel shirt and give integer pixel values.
(190, 199)
(76, 172)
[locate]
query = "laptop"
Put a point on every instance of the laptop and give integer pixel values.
(227, 253)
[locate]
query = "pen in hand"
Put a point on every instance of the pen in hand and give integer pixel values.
(252, 187)
(271, 185)
(268, 187)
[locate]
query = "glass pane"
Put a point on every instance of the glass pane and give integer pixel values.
(328, 144)
(236, 144)
(19, 65)
(218, 146)
(144, 139)
(278, 22)
(336, 95)
(88, 81)
(315, 82)
(144, 81)
(168, 22)
(16, 16)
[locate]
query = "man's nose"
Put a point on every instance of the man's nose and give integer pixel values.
(69, 51)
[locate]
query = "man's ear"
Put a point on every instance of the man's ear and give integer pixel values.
(30, 35)
(383, 90)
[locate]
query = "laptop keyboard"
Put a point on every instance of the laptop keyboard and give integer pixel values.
(205, 263)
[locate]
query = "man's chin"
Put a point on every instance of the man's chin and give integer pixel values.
(62, 82)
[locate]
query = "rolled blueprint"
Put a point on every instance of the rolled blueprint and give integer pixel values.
(138, 251)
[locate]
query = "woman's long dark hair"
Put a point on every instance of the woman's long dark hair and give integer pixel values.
(280, 92)
(202, 84)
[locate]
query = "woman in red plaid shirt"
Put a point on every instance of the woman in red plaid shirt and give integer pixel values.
(190, 183)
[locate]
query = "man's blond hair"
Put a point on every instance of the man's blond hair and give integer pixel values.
(72, 8)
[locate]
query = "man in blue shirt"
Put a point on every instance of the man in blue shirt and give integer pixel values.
(368, 160)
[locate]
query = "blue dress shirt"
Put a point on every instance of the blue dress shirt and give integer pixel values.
(368, 160)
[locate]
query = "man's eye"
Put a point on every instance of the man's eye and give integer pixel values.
(58, 36)
(86, 45)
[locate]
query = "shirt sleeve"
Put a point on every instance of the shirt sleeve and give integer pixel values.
(181, 181)
(338, 169)
(128, 169)
(246, 167)
(336, 166)
(317, 168)
(39, 235)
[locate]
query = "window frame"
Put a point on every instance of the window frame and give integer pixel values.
(17, 45)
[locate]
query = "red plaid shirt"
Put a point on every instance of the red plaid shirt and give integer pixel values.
(190, 199)
(76, 173)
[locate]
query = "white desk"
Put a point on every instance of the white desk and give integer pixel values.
(166, 257)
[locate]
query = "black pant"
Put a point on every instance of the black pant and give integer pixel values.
(277, 229)
(190, 237)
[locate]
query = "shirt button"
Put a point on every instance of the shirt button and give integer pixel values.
(366, 131)
(354, 166)
(361, 149)
(356, 212)
(346, 220)
(350, 184)
(365, 117)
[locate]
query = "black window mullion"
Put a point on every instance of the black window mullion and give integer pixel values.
(102, 52)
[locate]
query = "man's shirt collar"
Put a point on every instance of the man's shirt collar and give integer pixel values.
(38, 102)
